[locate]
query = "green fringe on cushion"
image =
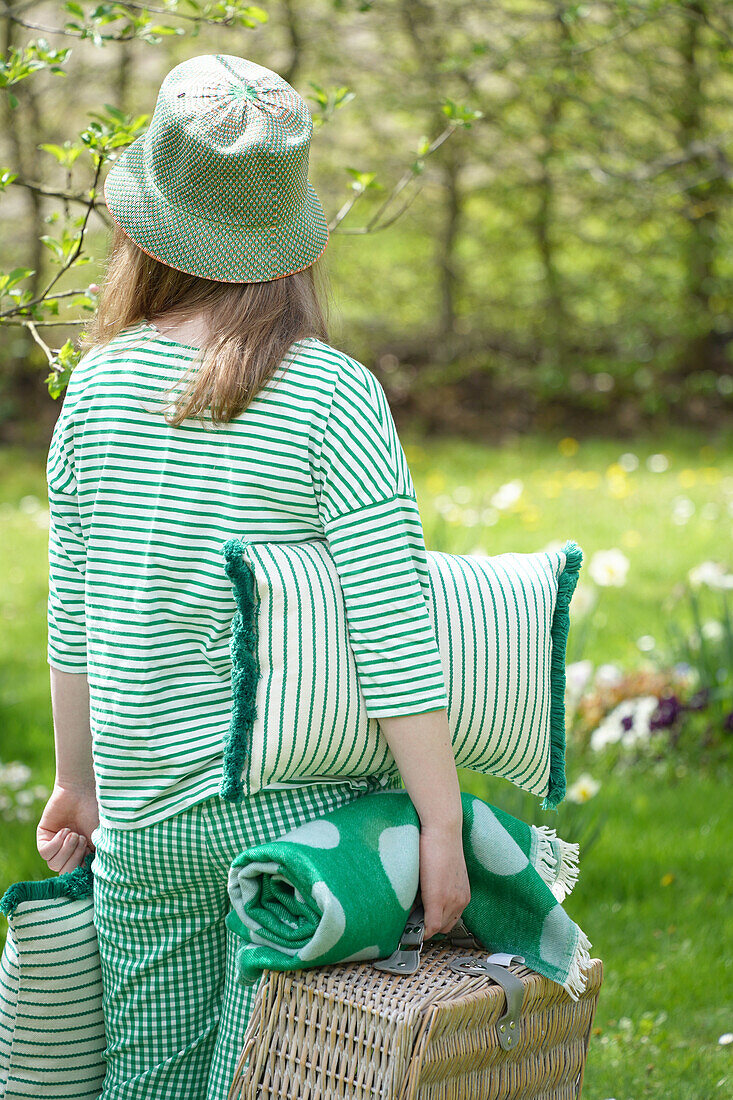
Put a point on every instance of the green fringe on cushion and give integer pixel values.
(559, 634)
(78, 883)
(245, 671)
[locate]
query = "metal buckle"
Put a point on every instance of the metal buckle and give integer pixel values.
(459, 936)
(508, 1025)
(406, 959)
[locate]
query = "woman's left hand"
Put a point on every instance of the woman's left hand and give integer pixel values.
(63, 835)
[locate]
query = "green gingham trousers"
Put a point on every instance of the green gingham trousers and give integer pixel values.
(174, 1014)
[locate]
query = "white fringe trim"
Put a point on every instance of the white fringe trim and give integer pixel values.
(555, 860)
(577, 978)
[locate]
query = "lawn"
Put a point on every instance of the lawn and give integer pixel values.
(655, 892)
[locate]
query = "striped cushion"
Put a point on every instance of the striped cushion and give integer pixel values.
(501, 625)
(52, 1035)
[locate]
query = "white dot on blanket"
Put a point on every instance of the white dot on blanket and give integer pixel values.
(492, 845)
(399, 851)
(365, 953)
(331, 926)
(315, 834)
(557, 941)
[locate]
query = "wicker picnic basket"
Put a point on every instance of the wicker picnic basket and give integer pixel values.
(350, 1032)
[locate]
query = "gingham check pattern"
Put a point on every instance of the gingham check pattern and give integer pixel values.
(174, 1013)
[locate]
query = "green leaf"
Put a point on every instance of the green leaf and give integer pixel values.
(53, 245)
(18, 274)
(62, 366)
(54, 150)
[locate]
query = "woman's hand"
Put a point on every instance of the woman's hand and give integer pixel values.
(444, 887)
(63, 835)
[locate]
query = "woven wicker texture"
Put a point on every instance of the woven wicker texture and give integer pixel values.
(350, 1032)
(218, 184)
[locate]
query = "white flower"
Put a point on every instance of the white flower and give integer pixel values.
(657, 463)
(726, 1039)
(627, 723)
(461, 494)
(489, 516)
(606, 734)
(470, 517)
(712, 630)
(683, 510)
(443, 504)
(583, 789)
(645, 643)
(24, 797)
(577, 677)
(609, 567)
(507, 494)
(710, 573)
(628, 461)
(583, 600)
(608, 675)
(14, 774)
(29, 505)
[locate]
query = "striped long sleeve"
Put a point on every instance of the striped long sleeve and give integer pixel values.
(67, 639)
(372, 523)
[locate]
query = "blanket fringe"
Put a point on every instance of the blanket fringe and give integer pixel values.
(577, 979)
(556, 861)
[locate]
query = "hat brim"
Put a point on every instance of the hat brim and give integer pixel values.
(211, 250)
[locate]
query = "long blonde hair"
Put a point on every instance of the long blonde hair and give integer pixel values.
(251, 325)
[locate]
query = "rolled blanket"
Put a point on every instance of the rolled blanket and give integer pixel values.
(340, 888)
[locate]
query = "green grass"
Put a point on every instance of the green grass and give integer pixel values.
(640, 524)
(655, 896)
(655, 891)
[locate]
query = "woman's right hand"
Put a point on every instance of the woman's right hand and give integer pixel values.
(63, 834)
(444, 887)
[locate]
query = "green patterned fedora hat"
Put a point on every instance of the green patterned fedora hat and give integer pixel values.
(218, 184)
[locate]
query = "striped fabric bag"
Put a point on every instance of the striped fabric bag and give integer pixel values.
(501, 624)
(52, 1037)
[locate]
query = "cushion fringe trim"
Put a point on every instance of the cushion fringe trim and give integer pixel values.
(246, 670)
(78, 883)
(559, 634)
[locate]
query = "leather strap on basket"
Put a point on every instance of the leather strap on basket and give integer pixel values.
(406, 958)
(507, 1026)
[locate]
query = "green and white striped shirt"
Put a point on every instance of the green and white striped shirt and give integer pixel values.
(138, 595)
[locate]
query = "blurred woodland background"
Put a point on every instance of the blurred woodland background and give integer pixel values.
(530, 200)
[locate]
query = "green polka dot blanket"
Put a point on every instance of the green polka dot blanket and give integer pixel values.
(340, 888)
